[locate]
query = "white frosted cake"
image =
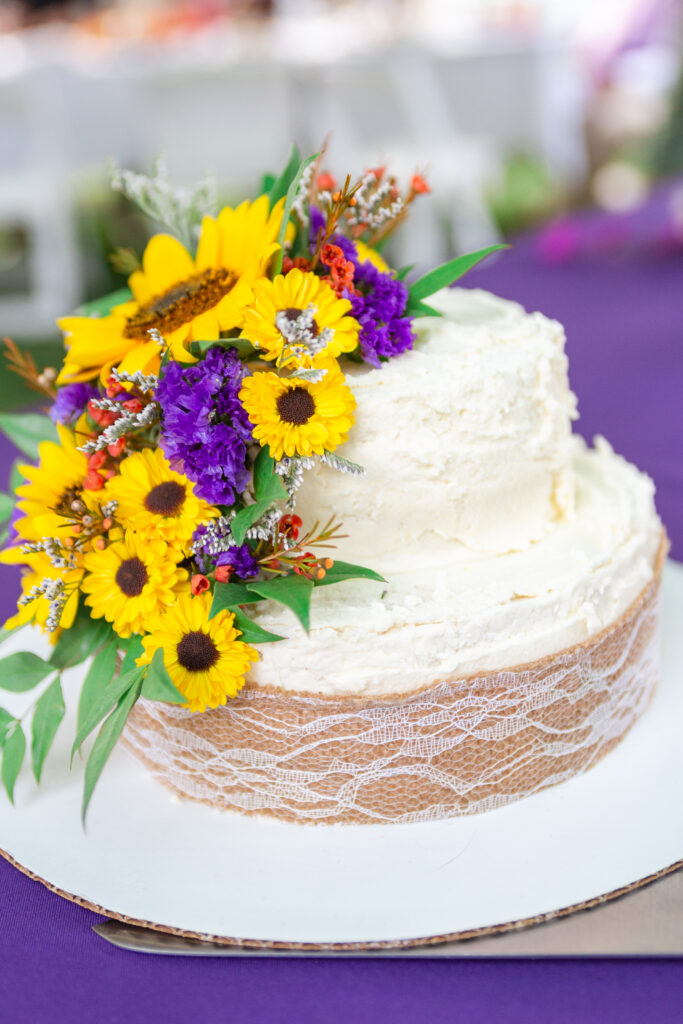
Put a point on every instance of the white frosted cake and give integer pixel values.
(514, 641)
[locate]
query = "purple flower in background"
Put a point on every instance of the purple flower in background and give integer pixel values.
(71, 401)
(206, 429)
(212, 546)
(379, 304)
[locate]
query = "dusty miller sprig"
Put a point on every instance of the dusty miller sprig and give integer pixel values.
(291, 470)
(59, 556)
(145, 382)
(181, 210)
(127, 423)
(54, 591)
(341, 464)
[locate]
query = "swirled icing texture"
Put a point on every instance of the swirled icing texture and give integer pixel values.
(503, 538)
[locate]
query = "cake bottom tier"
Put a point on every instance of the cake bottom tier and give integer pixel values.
(460, 746)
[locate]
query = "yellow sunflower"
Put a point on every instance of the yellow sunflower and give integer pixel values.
(132, 582)
(53, 485)
(204, 657)
(297, 417)
(38, 569)
(185, 299)
(277, 305)
(368, 255)
(155, 501)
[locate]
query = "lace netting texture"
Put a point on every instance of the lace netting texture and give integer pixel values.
(457, 747)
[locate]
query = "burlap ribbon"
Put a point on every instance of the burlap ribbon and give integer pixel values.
(459, 746)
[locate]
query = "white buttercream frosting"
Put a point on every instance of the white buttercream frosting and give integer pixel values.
(502, 537)
(467, 438)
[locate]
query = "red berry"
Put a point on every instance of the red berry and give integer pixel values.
(97, 460)
(418, 184)
(93, 481)
(198, 584)
(325, 182)
(133, 405)
(116, 447)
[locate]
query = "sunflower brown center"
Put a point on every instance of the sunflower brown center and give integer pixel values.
(165, 499)
(66, 499)
(296, 406)
(197, 652)
(180, 304)
(131, 577)
(293, 314)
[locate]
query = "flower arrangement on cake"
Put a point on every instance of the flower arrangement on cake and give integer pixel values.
(160, 503)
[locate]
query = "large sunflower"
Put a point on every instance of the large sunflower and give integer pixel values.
(297, 417)
(53, 486)
(277, 306)
(204, 657)
(155, 501)
(185, 299)
(132, 582)
(38, 569)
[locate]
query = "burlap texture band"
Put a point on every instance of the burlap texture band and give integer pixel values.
(460, 746)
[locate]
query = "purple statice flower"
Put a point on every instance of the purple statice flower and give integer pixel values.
(212, 546)
(205, 426)
(378, 303)
(71, 401)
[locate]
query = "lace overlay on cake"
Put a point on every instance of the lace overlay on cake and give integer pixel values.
(458, 747)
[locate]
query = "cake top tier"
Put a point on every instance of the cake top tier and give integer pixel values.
(464, 440)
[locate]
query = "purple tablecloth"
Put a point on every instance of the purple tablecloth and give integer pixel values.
(624, 321)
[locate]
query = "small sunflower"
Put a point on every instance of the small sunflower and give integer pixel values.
(155, 501)
(132, 582)
(39, 569)
(297, 417)
(204, 657)
(52, 486)
(278, 305)
(185, 299)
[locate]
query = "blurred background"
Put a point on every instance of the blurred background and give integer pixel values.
(558, 122)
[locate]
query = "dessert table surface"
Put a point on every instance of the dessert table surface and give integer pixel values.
(621, 305)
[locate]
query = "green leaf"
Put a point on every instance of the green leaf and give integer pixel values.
(267, 182)
(246, 517)
(105, 742)
(13, 753)
(420, 309)
(6, 506)
(133, 648)
(158, 685)
(245, 349)
(81, 640)
(251, 632)
(267, 483)
(281, 184)
(402, 274)
(108, 699)
(449, 272)
(291, 196)
(26, 430)
(16, 477)
(5, 721)
(100, 675)
(346, 571)
(227, 595)
(292, 591)
(22, 671)
(46, 719)
(104, 305)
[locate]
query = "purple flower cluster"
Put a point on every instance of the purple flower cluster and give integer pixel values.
(71, 401)
(378, 303)
(205, 427)
(206, 541)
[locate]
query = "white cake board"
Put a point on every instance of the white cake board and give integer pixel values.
(150, 858)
